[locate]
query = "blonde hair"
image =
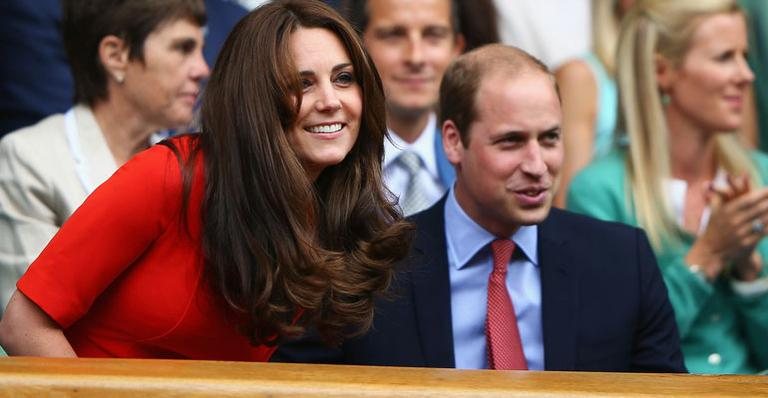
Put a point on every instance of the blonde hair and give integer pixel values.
(606, 22)
(661, 27)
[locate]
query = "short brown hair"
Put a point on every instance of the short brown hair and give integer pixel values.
(462, 79)
(86, 22)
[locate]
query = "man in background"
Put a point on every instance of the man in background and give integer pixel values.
(411, 43)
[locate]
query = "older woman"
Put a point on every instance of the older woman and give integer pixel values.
(687, 179)
(137, 68)
(216, 246)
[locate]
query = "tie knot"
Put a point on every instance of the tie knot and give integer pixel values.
(411, 161)
(502, 253)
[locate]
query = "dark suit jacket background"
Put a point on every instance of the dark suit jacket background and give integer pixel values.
(604, 304)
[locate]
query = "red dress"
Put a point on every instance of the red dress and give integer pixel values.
(123, 277)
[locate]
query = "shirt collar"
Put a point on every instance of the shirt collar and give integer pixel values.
(465, 238)
(423, 146)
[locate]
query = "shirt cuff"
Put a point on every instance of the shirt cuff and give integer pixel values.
(750, 289)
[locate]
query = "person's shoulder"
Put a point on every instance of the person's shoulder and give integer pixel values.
(760, 162)
(43, 141)
(610, 164)
(604, 173)
(41, 132)
(576, 70)
(163, 159)
(179, 147)
(430, 226)
(760, 158)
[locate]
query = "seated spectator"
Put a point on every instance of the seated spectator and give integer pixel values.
(31, 46)
(496, 278)
(192, 250)
(411, 42)
(590, 98)
(686, 178)
(137, 68)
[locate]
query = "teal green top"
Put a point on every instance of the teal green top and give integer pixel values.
(720, 330)
(757, 11)
(607, 106)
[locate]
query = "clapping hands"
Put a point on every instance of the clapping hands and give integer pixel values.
(737, 222)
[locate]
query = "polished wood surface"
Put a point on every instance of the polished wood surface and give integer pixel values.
(41, 377)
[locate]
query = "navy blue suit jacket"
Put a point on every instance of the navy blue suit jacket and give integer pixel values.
(604, 303)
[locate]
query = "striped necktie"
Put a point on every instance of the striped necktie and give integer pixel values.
(414, 200)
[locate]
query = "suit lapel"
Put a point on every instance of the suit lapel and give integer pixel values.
(559, 291)
(431, 287)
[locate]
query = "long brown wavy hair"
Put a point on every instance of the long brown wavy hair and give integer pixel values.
(275, 242)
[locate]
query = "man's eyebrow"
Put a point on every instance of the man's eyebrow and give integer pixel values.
(388, 29)
(507, 134)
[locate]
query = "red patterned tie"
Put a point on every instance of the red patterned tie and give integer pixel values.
(505, 350)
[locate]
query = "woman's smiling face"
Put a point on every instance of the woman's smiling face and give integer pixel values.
(328, 122)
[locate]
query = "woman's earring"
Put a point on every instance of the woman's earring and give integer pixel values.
(665, 99)
(119, 77)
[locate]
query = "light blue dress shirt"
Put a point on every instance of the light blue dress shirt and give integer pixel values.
(470, 264)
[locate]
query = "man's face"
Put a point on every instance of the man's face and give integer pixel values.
(411, 42)
(508, 172)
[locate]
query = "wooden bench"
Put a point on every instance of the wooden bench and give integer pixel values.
(41, 377)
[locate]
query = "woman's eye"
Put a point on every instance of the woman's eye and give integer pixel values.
(186, 46)
(726, 56)
(345, 78)
(306, 83)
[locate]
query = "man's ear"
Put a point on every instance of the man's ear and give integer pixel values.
(459, 44)
(452, 145)
(114, 55)
(665, 72)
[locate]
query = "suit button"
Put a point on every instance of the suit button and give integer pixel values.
(714, 318)
(714, 359)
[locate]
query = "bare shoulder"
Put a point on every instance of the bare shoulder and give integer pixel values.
(575, 72)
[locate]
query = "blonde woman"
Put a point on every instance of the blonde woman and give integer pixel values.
(589, 95)
(686, 178)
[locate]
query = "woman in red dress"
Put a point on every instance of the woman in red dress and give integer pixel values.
(217, 245)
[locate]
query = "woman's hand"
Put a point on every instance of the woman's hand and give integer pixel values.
(26, 330)
(736, 224)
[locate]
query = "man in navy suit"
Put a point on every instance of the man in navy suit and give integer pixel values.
(585, 294)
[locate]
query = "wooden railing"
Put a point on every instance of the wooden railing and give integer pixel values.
(42, 377)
